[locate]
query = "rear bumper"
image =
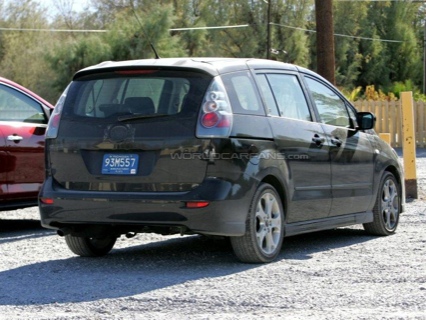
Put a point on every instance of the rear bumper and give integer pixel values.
(225, 215)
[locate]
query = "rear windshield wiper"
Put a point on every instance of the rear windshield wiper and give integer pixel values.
(141, 116)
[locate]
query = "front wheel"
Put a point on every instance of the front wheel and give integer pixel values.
(387, 207)
(264, 228)
(90, 247)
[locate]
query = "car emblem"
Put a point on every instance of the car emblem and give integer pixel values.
(119, 133)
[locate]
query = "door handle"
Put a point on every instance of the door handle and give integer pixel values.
(336, 141)
(15, 138)
(318, 140)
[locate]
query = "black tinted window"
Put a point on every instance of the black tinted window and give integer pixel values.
(137, 92)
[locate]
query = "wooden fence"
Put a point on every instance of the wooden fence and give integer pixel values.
(389, 119)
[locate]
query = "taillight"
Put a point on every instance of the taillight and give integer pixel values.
(55, 117)
(209, 120)
(215, 119)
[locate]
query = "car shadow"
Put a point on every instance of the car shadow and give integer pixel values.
(145, 268)
(18, 225)
(420, 152)
(18, 230)
(302, 247)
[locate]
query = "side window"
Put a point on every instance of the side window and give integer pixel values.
(330, 106)
(242, 93)
(16, 106)
(265, 88)
(289, 96)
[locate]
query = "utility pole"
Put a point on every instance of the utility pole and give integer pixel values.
(268, 41)
(325, 39)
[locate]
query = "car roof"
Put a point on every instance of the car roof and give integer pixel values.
(26, 91)
(210, 65)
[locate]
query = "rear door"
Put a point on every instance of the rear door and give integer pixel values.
(131, 131)
(351, 152)
(23, 124)
(301, 143)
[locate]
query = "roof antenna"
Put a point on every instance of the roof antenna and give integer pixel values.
(155, 51)
(137, 18)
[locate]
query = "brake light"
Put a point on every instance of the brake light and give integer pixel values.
(215, 119)
(55, 117)
(210, 119)
(135, 72)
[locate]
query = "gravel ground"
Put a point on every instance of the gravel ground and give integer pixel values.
(337, 274)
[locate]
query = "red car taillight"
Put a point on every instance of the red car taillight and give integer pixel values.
(215, 119)
(55, 117)
(209, 120)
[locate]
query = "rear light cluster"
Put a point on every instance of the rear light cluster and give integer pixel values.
(215, 119)
(55, 117)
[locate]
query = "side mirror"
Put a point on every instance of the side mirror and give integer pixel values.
(366, 120)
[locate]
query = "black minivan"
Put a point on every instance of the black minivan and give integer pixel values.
(250, 149)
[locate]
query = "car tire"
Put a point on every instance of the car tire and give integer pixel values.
(90, 247)
(386, 209)
(264, 234)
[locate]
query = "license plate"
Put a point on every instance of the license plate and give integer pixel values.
(126, 164)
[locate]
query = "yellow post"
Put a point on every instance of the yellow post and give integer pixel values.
(409, 144)
(385, 137)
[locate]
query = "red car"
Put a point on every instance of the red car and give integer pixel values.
(23, 121)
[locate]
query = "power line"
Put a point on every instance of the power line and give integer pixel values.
(201, 28)
(102, 31)
(209, 28)
(337, 34)
(50, 30)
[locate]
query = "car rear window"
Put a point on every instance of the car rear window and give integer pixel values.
(136, 92)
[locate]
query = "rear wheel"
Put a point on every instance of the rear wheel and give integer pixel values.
(386, 209)
(90, 247)
(264, 228)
